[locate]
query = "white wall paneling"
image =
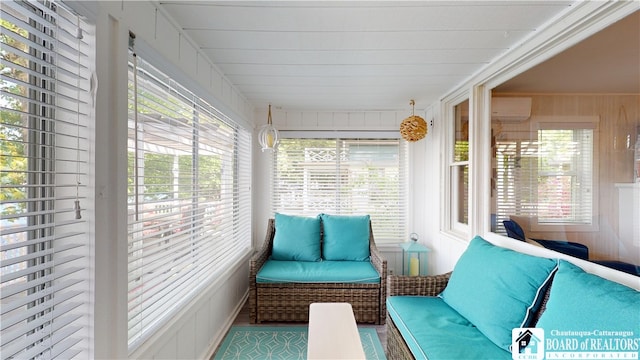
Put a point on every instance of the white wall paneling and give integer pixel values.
(153, 26)
(393, 254)
(198, 330)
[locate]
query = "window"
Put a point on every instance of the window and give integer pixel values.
(45, 256)
(546, 174)
(565, 176)
(344, 177)
(189, 196)
(459, 169)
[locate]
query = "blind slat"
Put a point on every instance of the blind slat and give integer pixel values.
(9, 321)
(33, 331)
(13, 289)
(62, 285)
(32, 345)
(35, 269)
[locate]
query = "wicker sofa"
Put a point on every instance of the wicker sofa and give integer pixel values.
(434, 326)
(409, 286)
(289, 301)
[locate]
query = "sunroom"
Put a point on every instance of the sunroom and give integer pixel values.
(134, 189)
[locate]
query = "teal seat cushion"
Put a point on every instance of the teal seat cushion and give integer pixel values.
(497, 289)
(583, 302)
(345, 237)
(296, 238)
(353, 272)
(433, 330)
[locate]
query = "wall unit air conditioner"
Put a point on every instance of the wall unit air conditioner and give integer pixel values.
(510, 108)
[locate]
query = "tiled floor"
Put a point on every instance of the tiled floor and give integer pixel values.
(243, 319)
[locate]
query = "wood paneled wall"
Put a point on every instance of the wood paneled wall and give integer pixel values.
(617, 131)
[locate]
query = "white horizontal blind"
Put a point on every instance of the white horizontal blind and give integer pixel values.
(344, 177)
(189, 196)
(44, 247)
(550, 177)
(516, 180)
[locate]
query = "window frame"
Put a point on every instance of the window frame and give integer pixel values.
(449, 197)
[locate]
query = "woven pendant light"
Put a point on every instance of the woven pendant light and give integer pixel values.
(414, 127)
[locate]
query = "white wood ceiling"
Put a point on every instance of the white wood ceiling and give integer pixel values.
(354, 55)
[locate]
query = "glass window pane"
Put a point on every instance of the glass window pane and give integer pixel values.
(545, 174)
(565, 172)
(343, 176)
(461, 152)
(459, 175)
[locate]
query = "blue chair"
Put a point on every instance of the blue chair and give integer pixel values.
(620, 266)
(515, 231)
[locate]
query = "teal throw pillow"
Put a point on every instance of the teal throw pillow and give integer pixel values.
(297, 238)
(583, 302)
(345, 237)
(497, 289)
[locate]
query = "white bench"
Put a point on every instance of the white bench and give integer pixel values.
(333, 333)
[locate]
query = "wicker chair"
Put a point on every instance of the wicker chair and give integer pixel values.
(290, 302)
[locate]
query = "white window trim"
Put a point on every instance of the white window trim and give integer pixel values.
(448, 224)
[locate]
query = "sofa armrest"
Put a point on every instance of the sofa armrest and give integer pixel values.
(378, 262)
(255, 264)
(258, 259)
(417, 285)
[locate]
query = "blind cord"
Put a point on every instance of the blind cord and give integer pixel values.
(76, 204)
(135, 132)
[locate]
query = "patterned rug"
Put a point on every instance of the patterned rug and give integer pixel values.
(282, 342)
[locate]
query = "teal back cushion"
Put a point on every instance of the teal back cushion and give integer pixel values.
(584, 302)
(345, 237)
(497, 289)
(296, 238)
